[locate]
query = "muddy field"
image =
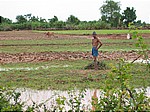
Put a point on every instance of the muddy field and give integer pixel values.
(46, 56)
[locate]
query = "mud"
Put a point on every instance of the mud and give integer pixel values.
(47, 56)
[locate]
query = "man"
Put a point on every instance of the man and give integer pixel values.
(96, 44)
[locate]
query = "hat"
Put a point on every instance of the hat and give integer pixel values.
(94, 33)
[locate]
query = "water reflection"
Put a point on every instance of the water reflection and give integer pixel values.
(94, 99)
(48, 97)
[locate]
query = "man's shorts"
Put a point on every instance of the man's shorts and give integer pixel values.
(94, 52)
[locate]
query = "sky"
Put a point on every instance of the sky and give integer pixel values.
(84, 10)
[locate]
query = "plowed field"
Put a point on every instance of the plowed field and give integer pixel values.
(6, 57)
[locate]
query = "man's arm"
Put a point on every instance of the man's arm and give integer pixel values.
(100, 43)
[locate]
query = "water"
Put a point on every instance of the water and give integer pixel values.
(141, 61)
(48, 97)
(33, 68)
(59, 66)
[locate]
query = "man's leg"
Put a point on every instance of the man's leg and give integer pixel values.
(95, 63)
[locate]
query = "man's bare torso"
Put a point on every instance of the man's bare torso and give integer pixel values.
(95, 42)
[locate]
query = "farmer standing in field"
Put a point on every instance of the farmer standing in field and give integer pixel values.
(96, 44)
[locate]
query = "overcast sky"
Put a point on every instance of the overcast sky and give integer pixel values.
(83, 9)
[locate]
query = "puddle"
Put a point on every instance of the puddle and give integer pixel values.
(36, 68)
(60, 66)
(48, 97)
(141, 61)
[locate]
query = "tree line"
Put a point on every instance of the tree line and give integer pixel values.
(111, 18)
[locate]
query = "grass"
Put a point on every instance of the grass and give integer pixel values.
(61, 77)
(57, 45)
(53, 77)
(97, 31)
(42, 41)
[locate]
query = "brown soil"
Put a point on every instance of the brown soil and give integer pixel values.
(47, 56)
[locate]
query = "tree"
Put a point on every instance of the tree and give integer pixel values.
(54, 19)
(42, 20)
(5, 20)
(21, 19)
(28, 16)
(59, 24)
(110, 11)
(34, 19)
(128, 16)
(73, 20)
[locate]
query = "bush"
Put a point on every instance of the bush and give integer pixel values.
(7, 96)
(6, 27)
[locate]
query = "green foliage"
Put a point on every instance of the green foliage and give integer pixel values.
(143, 46)
(129, 15)
(28, 16)
(34, 19)
(54, 19)
(73, 20)
(21, 19)
(5, 27)
(9, 100)
(124, 97)
(59, 24)
(75, 100)
(91, 25)
(111, 17)
(111, 12)
(35, 25)
(6, 20)
(61, 102)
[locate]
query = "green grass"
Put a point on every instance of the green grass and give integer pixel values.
(61, 45)
(39, 45)
(97, 31)
(65, 74)
(42, 41)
